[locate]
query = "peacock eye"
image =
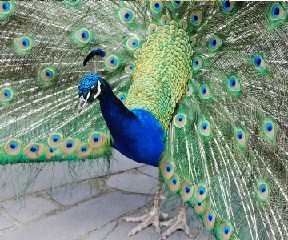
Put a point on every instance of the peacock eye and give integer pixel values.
(126, 15)
(183, 24)
(82, 36)
(214, 43)
(5, 6)
(165, 19)
(6, 9)
(177, 4)
(277, 13)
(156, 6)
(152, 28)
(133, 43)
(196, 17)
(259, 63)
(94, 91)
(228, 6)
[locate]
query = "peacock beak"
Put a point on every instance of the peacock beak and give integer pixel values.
(82, 103)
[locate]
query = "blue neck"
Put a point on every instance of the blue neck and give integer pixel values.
(113, 110)
(137, 134)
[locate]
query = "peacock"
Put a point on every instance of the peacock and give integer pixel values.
(197, 89)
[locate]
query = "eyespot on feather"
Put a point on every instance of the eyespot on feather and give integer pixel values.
(167, 169)
(227, 6)
(122, 97)
(152, 28)
(240, 137)
(199, 207)
(259, 63)
(52, 152)
(83, 150)
(82, 36)
(133, 43)
(23, 44)
(189, 90)
(6, 9)
(126, 15)
(69, 146)
(276, 13)
(174, 183)
(224, 231)
(192, 41)
(47, 74)
(156, 6)
(129, 68)
(209, 219)
(263, 191)
(196, 17)
(197, 64)
(55, 139)
(13, 147)
(183, 24)
(4, 6)
(214, 43)
(269, 130)
(186, 191)
(6, 95)
(33, 150)
(177, 4)
(180, 120)
(205, 93)
(98, 139)
(112, 62)
(165, 19)
(234, 85)
(200, 192)
(204, 128)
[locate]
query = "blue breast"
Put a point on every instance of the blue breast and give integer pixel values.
(144, 142)
(140, 138)
(137, 134)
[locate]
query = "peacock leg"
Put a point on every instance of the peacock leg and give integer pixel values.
(153, 217)
(178, 223)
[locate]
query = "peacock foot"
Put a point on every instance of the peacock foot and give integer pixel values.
(152, 218)
(178, 223)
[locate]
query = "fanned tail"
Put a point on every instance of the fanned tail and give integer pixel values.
(227, 147)
(41, 65)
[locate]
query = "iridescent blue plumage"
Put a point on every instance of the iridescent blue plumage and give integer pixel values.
(87, 83)
(137, 134)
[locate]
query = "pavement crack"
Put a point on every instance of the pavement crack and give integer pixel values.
(112, 230)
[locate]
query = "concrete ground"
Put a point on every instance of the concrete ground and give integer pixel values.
(77, 201)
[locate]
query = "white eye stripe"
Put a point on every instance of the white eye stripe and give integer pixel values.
(88, 95)
(84, 101)
(98, 90)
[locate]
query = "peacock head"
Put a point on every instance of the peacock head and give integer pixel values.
(88, 90)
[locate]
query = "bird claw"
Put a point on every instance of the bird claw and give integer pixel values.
(152, 218)
(178, 223)
(163, 216)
